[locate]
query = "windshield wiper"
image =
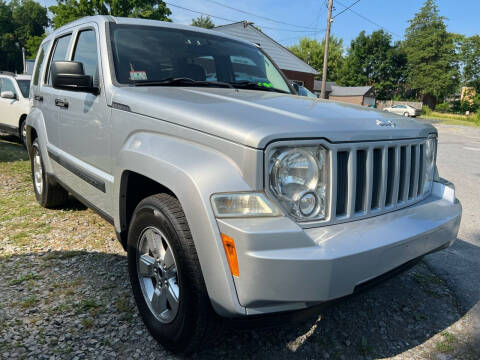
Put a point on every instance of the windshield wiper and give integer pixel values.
(256, 86)
(182, 81)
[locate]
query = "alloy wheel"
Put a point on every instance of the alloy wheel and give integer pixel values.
(37, 172)
(157, 274)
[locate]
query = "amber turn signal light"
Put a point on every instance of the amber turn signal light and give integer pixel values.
(231, 252)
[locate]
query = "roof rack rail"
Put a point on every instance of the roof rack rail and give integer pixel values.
(7, 73)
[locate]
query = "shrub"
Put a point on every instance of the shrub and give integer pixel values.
(443, 107)
(426, 110)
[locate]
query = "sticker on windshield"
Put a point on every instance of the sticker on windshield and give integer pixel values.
(265, 84)
(138, 75)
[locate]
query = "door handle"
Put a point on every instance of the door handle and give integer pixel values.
(38, 98)
(61, 103)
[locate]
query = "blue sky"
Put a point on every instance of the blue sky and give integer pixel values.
(463, 16)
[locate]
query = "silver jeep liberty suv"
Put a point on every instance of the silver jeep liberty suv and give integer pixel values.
(232, 195)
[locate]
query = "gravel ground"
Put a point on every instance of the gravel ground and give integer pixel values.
(64, 293)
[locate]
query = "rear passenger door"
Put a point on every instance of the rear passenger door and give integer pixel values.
(47, 94)
(84, 127)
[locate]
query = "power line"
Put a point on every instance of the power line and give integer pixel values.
(370, 21)
(259, 16)
(347, 8)
(230, 20)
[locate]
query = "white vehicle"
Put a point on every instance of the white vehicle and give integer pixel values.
(14, 103)
(405, 110)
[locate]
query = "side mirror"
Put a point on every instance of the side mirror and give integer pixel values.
(70, 75)
(8, 95)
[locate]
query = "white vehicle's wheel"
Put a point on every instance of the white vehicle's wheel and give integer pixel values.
(23, 132)
(405, 114)
(166, 276)
(48, 193)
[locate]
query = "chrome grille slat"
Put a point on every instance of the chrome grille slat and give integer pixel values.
(416, 171)
(352, 182)
(384, 178)
(368, 197)
(374, 178)
(408, 158)
(333, 184)
(396, 177)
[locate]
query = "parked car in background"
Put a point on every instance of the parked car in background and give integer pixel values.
(303, 91)
(14, 103)
(404, 110)
(232, 197)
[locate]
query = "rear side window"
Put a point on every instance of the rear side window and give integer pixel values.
(38, 65)
(60, 49)
(7, 85)
(86, 53)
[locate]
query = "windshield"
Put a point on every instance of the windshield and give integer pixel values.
(154, 54)
(24, 86)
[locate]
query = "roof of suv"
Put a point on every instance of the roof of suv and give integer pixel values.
(102, 19)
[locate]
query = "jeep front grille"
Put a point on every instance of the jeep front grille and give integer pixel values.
(368, 179)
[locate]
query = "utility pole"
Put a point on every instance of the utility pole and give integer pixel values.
(24, 61)
(325, 54)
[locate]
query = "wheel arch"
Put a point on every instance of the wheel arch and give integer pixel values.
(191, 173)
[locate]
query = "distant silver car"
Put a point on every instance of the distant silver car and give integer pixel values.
(405, 110)
(14, 103)
(233, 196)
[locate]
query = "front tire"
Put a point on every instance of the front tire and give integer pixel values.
(406, 114)
(23, 133)
(166, 277)
(48, 193)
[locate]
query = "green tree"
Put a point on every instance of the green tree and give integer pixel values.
(431, 52)
(20, 21)
(203, 22)
(470, 58)
(69, 10)
(311, 51)
(373, 60)
(33, 44)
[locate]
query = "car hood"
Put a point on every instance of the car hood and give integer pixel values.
(256, 118)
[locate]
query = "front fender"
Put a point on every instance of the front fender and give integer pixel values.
(36, 121)
(193, 173)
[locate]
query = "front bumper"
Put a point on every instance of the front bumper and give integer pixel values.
(284, 267)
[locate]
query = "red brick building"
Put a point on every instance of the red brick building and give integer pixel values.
(293, 67)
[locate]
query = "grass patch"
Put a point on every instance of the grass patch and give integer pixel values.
(29, 302)
(88, 305)
(448, 343)
(24, 278)
(87, 323)
(453, 119)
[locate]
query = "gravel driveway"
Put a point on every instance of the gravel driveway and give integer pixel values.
(64, 293)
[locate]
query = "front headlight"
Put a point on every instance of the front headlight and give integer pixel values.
(430, 156)
(298, 179)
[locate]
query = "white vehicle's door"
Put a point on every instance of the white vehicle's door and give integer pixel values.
(10, 109)
(85, 127)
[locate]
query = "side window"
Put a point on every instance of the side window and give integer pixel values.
(86, 53)
(60, 49)
(38, 65)
(7, 85)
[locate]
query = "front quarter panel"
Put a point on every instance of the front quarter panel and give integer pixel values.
(36, 121)
(193, 172)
